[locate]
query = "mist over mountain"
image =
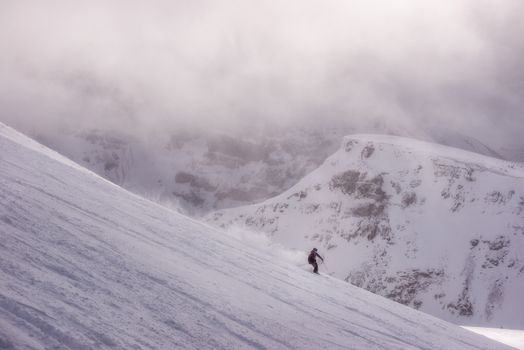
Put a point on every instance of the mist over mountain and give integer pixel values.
(196, 173)
(245, 66)
(234, 112)
(115, 84)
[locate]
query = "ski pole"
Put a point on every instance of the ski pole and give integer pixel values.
(324, 263)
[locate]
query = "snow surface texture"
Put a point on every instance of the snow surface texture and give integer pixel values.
(509, 337)
(433, 227)
(85, 264)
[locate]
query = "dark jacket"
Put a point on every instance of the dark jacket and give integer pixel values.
(312, 258)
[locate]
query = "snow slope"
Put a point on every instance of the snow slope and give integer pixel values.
(433, 227)
(85, 264)
(509, 337)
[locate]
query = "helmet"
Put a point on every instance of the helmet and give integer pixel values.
(315, 249)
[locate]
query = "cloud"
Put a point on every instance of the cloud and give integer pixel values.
(261, 241)
(145, 65)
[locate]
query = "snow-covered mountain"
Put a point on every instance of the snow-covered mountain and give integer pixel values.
(205, 171)
(467, 143)
(433, 227)
(85, 264)
(199, 173)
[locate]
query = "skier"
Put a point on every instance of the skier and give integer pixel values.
(312, 259)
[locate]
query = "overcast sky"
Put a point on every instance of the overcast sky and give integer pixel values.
(146, 65)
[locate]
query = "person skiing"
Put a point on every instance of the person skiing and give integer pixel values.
(312, 259)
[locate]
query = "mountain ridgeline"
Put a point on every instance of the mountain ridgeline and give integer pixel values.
(198, 173)
(433, 227)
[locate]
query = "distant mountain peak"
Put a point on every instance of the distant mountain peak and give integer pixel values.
(398, 217)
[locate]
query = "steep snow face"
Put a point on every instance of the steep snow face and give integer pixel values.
(86, 265)
(432, 227)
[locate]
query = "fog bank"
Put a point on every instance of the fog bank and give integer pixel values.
(142, 67)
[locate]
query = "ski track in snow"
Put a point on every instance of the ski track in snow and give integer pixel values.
(87, 265)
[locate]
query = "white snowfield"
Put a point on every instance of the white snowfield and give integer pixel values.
(511, 337)
(430, 226)
(85, 264)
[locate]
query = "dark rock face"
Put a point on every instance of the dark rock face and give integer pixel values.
(407, 285)
(408, 231)
(348, 147)
(409, 199)
(369, 210)
(373, 217)
(299, 195)
(495, 297)
(453, 174)
(463, 306)
(360, 185)
(346, 182)
(367, 151)
(497, 251)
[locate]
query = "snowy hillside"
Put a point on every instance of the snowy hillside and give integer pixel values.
(85, 264)
(433, 227)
